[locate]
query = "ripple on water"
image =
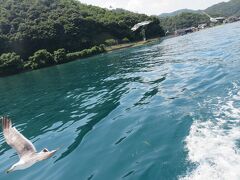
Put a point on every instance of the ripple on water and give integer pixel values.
(162, 111)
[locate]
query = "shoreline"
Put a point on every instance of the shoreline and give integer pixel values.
(132, 44)
(107, 50)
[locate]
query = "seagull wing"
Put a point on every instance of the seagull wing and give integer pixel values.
(16, 140)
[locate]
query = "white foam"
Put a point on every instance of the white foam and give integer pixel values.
(212, 144)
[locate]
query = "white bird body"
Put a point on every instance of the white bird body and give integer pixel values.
(20, 165)
(26, 151)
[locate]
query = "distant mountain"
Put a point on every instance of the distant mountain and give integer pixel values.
(230, 8)
(178, 12)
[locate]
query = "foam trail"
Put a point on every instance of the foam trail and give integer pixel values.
(213, 144)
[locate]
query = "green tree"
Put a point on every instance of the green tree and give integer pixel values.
(41, 58)
(125, 40)
(60, 56)
(111, 42)
(86, 52)
(10, 63)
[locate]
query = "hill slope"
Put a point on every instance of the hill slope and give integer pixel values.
(231, 8)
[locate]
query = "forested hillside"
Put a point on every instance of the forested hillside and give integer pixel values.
(178, 12)
(27, 26)
(183, 20)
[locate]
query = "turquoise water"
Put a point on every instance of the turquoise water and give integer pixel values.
(169, 110)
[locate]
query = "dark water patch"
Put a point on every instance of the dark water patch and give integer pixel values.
(128, 174)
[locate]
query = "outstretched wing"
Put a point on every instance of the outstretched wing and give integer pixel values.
(16, 140)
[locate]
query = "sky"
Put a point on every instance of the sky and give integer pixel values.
(153, 7)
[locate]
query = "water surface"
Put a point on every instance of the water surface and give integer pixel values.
(168, 110)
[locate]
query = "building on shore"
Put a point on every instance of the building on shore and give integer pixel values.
(216, 19)
(220, 19)
(231, 19)
(202, 26)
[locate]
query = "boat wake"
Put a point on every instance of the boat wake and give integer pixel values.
(213, 145)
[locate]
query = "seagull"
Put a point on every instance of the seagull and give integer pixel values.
(26, 151)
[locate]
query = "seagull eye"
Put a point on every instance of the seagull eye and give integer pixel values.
(45, 150)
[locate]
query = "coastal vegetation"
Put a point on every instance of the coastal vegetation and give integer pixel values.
(11, 63)
(40, 33)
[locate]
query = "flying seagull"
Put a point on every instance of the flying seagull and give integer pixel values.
(27, 153)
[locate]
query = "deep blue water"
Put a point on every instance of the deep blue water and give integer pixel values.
(168, 110)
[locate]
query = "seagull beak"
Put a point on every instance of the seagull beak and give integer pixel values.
(8, 171)
(57, 149)
(53, 152)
